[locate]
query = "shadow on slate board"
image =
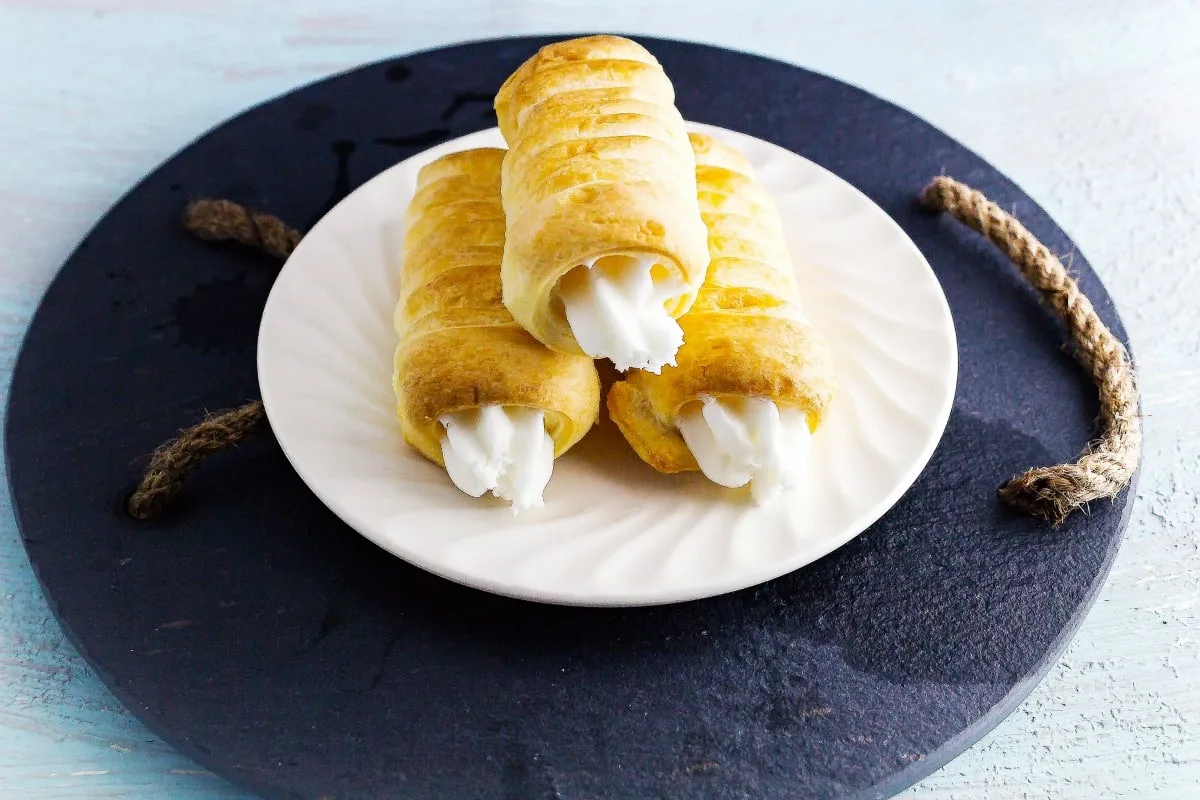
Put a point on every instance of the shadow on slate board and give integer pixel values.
(256, 632)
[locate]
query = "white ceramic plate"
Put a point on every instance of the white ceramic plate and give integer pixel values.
(613, 531)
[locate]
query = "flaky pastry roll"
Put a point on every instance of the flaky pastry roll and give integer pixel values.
(753, 378)
(475, 393)
(604, 245)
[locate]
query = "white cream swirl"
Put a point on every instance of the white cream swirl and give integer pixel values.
(501, 449)
(740, 440)
(614, 305)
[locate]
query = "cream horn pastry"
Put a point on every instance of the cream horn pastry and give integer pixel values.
(753, 378)
(475, 393)
(604, 245)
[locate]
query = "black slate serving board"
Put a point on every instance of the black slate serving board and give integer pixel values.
(261, 636)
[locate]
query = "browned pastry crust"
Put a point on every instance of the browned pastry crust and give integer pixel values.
(599, 164)
(746, 334)
(460, 348)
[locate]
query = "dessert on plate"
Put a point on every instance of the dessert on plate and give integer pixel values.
(475, 393)
(604, 231)
(753, 377)
(604, 244)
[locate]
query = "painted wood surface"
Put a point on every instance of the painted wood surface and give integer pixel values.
(1093, 107)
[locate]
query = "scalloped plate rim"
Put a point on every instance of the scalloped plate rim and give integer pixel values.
(938, 420)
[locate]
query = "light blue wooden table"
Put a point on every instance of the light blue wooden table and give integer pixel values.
(1093, 106)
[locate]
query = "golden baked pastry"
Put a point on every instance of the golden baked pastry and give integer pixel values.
(746, 335)
(459, 348)
(599, 174)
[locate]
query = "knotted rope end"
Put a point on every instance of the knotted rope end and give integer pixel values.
(933, 196)
(1034, 493)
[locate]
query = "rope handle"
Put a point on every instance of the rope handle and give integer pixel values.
(1052, 493)
(175, 459)
(1108, 463)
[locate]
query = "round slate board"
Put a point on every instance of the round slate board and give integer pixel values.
(268, 641)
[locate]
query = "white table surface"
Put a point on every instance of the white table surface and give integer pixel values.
(1093, 106)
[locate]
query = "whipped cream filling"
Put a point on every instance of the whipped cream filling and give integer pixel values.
(499, 449)
(614, 305)
(740, 440)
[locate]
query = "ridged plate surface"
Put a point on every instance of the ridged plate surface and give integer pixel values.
(613, 531)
